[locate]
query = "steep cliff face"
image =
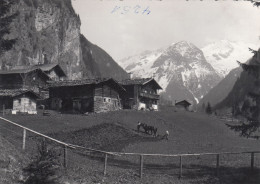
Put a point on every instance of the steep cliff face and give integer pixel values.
(48, 31)
(98, 63)
(222, 89)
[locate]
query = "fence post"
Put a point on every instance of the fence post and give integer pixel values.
(180, 167)
(105, 165)
(252, 161)
(141, 166)
(217, 164)
(65, 156)
(24, 138)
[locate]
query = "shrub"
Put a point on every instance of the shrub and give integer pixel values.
(43, 170)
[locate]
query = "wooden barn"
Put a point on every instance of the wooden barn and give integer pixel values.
(53, 70)
(184, 104)
(33, 79)
(88, 95)
(18, 100)
(141, 94)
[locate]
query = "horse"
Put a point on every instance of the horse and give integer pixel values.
(147, 129)
(151, 130)
(155, 132)
(139, 125)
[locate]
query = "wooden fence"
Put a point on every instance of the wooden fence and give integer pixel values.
(140, 155)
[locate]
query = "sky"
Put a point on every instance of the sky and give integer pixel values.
(127, 27)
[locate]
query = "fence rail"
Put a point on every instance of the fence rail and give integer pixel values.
(141, 156)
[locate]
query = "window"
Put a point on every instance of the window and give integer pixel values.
(106, 99)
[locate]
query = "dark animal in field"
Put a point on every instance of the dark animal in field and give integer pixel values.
(155, 132)
(150, 130)
(142, 125)
(147, 129)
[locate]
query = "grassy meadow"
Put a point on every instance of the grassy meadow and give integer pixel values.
(190, 132)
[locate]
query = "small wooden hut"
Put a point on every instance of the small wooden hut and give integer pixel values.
(18, 100)
(184, 104)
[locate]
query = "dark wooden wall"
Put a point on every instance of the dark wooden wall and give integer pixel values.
(149, 88)
(72, 91)
(8, 81)
(106, 91)
(7, 102)
(16, 81)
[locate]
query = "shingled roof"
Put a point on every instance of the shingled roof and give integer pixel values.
(183, 102)
(48, 67)
(23, 71)
(53, 84)
(17, 71)
(139, 81)
(16, 92)
(43, 67)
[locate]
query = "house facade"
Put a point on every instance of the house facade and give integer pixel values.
(18, 101)
(89, 95)
(141, 94)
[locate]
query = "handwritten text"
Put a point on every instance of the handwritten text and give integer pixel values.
(131, 9)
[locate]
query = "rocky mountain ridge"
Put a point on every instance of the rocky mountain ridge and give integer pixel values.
(49, 32)
(223, 55)
(181, 69)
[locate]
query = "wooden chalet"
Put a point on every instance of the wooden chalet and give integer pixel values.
(34, 79)
(53, 70)
(184, 104)
(88, 95)
(18, 100)
(141, 94)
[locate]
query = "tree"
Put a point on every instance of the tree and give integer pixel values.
(255, 3)
(251, 105)
(203, 107)
(208, 109)
(5, 21)
(251, 112)
(43, 170)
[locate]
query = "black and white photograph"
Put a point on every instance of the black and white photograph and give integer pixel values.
(129, 91)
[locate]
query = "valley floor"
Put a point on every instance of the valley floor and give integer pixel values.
(116, 131)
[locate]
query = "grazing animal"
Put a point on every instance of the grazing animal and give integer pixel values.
(150, 129)
(155, 132)
(141, 125)
(147, 129)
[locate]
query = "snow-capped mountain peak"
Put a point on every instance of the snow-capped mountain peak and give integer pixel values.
(181, 69)
(222, 55)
